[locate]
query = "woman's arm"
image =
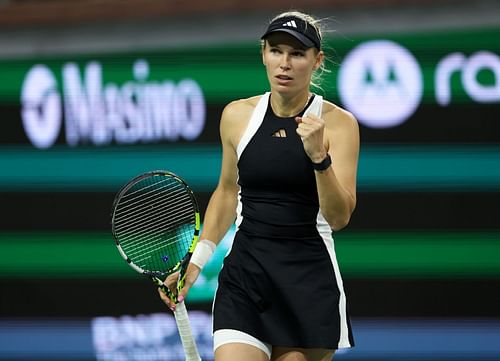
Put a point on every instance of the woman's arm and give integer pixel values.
(221, 210)
(338, 135)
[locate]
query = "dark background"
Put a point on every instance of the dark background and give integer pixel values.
(32, 29)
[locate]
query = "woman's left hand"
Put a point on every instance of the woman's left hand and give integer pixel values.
(310, 129)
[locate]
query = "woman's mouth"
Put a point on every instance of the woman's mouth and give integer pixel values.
(283, 79)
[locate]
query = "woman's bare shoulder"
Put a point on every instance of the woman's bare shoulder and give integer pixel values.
(235, 118)
(337, 116)
(238, 108)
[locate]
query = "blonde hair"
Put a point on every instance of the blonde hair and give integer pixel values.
(317, 24)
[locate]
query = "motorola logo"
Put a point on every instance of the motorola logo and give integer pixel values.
(380, 82)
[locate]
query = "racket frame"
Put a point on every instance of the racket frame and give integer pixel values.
(180, 313)
(180, 266)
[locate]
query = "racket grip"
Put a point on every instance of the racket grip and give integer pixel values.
(182, 320)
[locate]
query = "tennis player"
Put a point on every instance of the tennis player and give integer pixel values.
(288, 178)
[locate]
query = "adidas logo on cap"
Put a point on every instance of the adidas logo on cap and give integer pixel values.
(290, 23)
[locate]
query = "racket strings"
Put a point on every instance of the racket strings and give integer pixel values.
(128, 202)
(146, 199)
(154, 222)
(151, 239)
(149, 249)
(139, 230)
(142, 214)
(142, 249)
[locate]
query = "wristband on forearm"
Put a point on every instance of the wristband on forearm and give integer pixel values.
(203, 252)
(324, 164)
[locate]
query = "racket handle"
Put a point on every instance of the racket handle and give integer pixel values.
(182, 320)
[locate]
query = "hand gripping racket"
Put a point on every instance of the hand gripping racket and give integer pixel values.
(156, 223)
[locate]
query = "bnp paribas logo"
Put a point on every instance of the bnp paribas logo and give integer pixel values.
(380, 82)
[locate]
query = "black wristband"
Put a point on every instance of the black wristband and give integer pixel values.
(324, 164)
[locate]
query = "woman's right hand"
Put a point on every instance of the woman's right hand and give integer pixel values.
(192, 274)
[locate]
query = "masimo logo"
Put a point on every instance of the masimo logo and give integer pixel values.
(381, 83)
(136, 111)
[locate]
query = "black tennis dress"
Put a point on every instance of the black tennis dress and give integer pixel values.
(280, 281)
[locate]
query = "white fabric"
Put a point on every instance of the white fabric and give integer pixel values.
(326, 233)
(316, 107)
(225, 336)
(254, 123)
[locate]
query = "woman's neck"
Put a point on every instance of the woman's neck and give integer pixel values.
(289, 106)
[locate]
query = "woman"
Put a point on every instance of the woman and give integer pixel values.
(288, 177)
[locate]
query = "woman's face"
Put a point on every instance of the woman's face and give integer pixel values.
(289, 64)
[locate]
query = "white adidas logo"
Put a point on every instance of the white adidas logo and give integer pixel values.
(290, 23)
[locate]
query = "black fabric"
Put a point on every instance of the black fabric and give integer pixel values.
(278, 283)
(277, 181)
(295, 26)
(281, 292)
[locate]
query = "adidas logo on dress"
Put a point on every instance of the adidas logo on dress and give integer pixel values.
(290, 23)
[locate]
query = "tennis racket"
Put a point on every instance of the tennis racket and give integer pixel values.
(155, 223)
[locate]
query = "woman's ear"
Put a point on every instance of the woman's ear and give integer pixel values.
(319, 60)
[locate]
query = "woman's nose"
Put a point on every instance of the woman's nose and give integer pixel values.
(284, 63)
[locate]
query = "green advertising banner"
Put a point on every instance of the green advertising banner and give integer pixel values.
(427, 104)
(232, 71)
(390, 82)
(381, 168)
(88, 122)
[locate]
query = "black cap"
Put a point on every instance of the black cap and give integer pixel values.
(298, 28)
